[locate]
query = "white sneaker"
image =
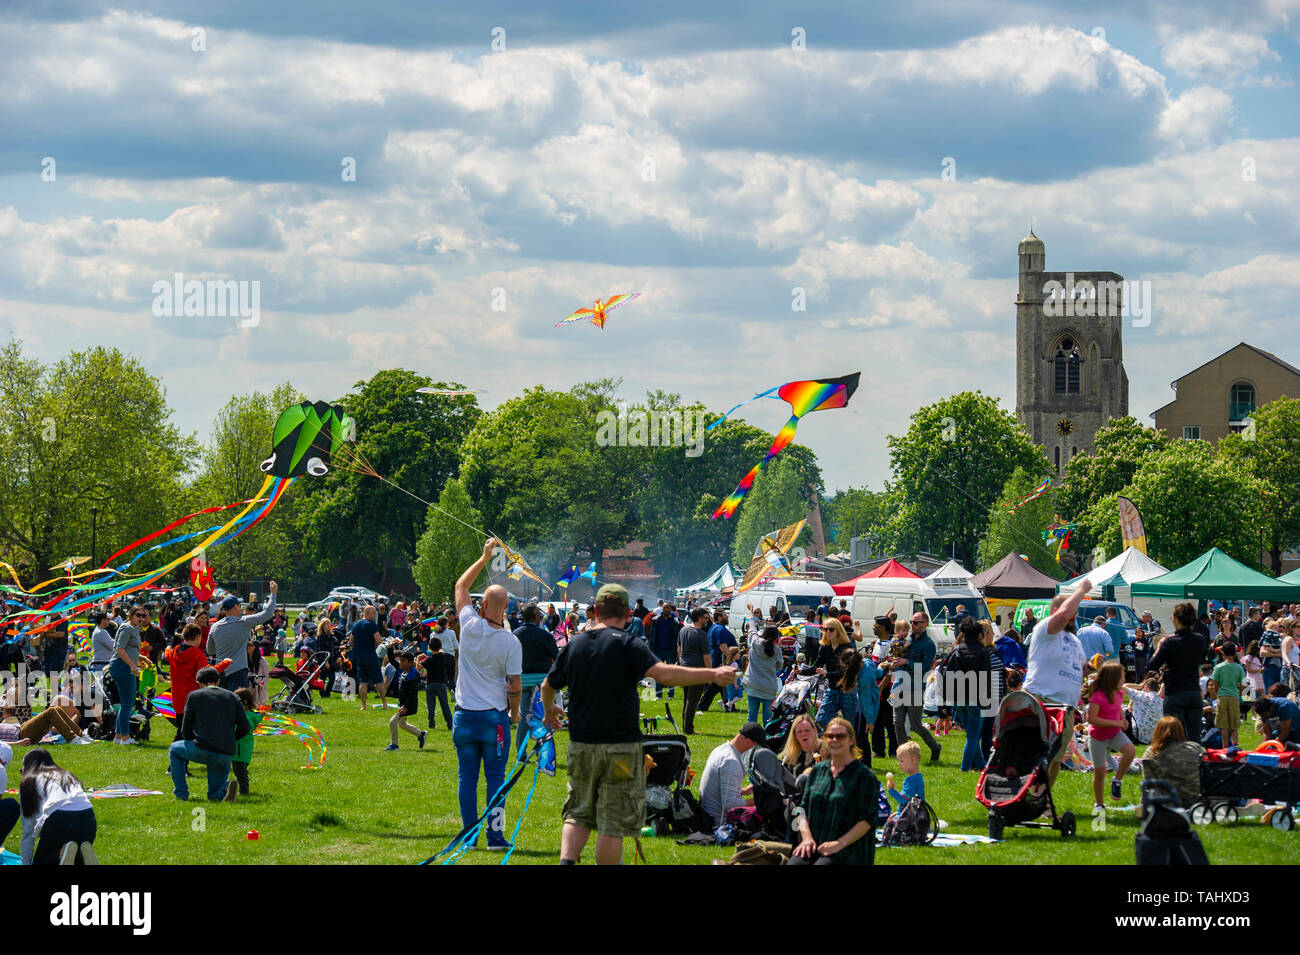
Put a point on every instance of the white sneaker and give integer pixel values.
(125, 742)
(69, 854)
(88, 856)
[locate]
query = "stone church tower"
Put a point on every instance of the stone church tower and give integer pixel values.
(1070, 377)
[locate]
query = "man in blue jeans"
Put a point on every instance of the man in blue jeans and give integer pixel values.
(488, 690)
(214, 719)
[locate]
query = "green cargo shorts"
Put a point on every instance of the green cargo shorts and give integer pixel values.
(606, 788)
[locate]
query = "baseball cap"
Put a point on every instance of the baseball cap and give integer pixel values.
(230, 601)
(612, 594)
(754, 732)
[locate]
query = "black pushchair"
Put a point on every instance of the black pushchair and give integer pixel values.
(776, 794)
(670, 805)
(1015, 785)
(295, 694)
(141, 713)
(800, 695)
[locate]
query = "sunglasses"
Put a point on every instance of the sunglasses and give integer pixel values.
(835, 735)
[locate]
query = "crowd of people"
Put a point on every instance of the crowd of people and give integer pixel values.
(479, 661)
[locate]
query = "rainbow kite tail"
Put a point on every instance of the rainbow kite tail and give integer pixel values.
(783, 439)
(732, 501)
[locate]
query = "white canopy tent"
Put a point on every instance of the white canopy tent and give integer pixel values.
(951, 574)
(1114, 579)
(720, 580)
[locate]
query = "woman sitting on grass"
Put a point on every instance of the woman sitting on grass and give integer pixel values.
(841, 805)
(802, 745)
(1174, 759)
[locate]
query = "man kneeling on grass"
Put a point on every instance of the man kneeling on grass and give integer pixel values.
(601, 668)
(214, 719)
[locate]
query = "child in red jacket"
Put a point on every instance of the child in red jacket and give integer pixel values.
(186, 660)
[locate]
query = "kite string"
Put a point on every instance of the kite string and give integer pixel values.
(417, 497)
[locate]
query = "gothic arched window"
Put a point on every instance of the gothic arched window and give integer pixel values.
(1065, 366)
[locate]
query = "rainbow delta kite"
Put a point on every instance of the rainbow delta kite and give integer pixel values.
(599, 311)
(804, 397)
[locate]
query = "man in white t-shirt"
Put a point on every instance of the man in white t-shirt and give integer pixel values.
(488, 689)
(1055, 674)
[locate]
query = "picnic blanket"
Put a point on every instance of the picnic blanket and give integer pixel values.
(10, 858)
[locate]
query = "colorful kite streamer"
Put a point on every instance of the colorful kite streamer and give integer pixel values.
(804, 397)
(1059, 531)
(277, 724)
(1033, 495)
(306, 439)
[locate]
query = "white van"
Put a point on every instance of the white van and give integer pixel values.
(905, 596)
(799, 596)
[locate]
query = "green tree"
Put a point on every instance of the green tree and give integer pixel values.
(1020, 532)
(1269, 451)
(535, 469)
(1191, 500)
(447, 546)
(950, 467)
(93, 430)
(1120, 447)
(861, 512)
(413, 442)
(679, 493)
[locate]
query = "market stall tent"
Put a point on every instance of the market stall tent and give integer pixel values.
(1012, 577)
(890, 568)
(1216, 576)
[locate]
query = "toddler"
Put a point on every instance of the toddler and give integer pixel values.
(909, 764)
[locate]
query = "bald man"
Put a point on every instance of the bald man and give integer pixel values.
(488, 689)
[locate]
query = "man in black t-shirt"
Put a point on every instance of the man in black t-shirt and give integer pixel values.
(606, 768)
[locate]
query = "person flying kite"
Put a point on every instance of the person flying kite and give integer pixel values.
(804, 397)
(599, 310)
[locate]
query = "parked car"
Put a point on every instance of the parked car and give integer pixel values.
(340, 594)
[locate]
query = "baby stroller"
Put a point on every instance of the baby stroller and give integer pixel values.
(295, 695)
(802, 693)
(1015, 785)
(670, 805)
(776, 793)
(140, 714)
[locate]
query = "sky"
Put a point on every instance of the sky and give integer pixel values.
(514, 163)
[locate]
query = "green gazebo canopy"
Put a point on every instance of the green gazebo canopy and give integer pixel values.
(1216, 576)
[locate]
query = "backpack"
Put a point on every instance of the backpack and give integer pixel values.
(688, 815)
(910, 826)
(760, 852)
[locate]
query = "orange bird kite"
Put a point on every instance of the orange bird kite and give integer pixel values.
(599, 310)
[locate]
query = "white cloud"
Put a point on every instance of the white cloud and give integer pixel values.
(1217, 56)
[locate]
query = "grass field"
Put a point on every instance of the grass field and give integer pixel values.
(371, 806)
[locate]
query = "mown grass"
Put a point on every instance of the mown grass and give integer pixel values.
(371, 806)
